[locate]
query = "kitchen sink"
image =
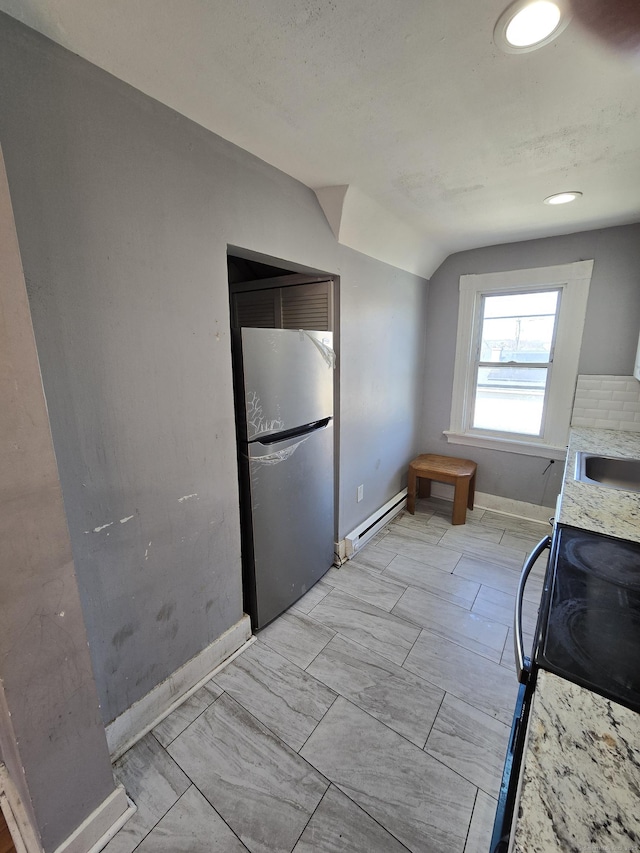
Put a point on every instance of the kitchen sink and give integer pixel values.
(610, 471)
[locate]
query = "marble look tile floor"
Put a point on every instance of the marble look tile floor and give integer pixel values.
(372, 717)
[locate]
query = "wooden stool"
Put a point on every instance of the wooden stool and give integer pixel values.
(461, 473)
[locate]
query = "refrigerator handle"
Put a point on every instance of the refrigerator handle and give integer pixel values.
(284, 438)
(274, 449)
(523, 664)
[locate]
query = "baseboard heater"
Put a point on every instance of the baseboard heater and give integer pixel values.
(359, 537)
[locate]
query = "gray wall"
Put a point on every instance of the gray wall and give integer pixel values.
(51, 736)
(608, 347)
(124, 211)
(382, 366)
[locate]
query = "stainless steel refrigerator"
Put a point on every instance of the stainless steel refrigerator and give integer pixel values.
(284, 401)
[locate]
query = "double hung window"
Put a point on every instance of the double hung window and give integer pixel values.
(518, 345)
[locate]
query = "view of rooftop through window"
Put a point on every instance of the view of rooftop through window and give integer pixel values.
(515, 354)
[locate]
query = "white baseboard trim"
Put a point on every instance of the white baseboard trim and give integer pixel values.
(359, 537)
(96, 831)
(143, 715)
(494, 503)
(340, 553)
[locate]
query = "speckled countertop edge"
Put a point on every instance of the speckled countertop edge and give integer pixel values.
(564, 804)
(613, 512)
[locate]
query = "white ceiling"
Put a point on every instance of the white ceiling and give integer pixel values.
(407, 101)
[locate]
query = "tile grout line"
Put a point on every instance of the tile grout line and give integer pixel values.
(259, 724)
(335, 698)
(235, 834)
(415, 746)
(475, 650)
(460, 646)
(444, 696)
(393, 663)
(162, 816)
(269, 729)
(213, 701)
(464, 849)
(292, 662)
(370, 816)
(364, 711)
(321, 800)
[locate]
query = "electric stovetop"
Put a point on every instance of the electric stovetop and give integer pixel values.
(589, 627)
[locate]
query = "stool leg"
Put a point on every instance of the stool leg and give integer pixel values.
(411, 493)
(424, 487)
(460, 499)
(472, 491)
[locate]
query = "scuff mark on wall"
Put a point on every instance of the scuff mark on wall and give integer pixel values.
(104, 526)
(147, 673)
(164, 614)
(187, 497)
(171, 630)
(122, 635)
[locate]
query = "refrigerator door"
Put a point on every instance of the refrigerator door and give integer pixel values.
(288, 379)
(291, 497)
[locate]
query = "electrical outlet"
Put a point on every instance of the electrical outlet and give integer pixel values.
(360, 492)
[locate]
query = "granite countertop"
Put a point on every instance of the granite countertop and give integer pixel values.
(580, 787)
(613, 512)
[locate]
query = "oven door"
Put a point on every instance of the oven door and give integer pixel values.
(511, 772)
(526, 673)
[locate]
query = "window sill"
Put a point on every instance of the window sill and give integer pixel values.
(524, 448)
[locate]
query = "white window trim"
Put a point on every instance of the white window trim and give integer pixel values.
(574, 280)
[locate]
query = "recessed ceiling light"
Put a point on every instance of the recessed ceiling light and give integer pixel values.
(562, 198)
(529, 24)
(532, 24)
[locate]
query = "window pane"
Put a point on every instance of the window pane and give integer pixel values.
(518, 327)
(522, 304)
(510, 399)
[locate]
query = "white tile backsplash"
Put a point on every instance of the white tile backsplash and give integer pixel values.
(611, 402)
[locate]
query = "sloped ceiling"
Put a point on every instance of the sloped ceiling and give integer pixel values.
(409, 103)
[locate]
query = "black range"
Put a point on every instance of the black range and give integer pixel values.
(589, 625)
(588, 632)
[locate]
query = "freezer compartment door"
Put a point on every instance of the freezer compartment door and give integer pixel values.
(291, 486)
(288, 379)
